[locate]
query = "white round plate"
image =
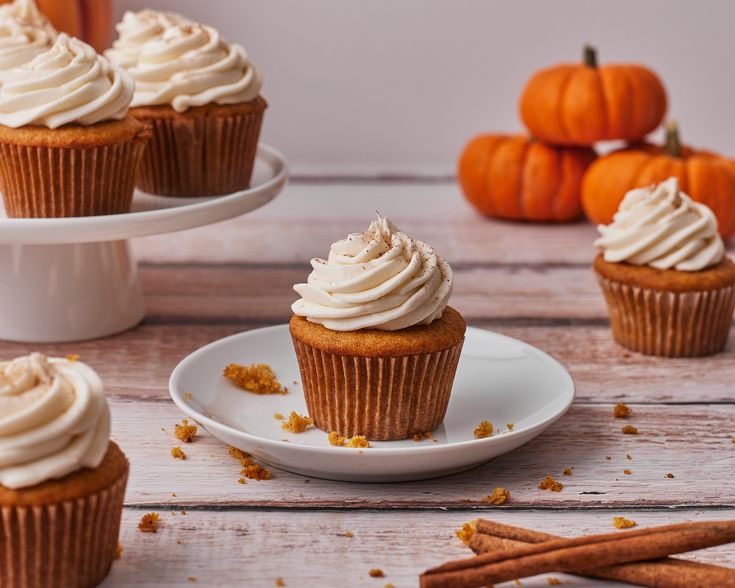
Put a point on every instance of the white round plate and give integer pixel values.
(152, 215)
(499, 379)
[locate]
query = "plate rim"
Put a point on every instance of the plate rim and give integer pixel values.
(377, 451)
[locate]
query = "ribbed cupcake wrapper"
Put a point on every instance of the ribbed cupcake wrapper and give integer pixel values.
(670, 324)
(52, 182)
(383, 398)
(69, 544)
(200, 156)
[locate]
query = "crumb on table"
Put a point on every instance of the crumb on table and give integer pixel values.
(185, 432)
(118, 551)
(464, 534)
(242, 481)
(421, 436)
(628, 456)
(178, 453)
(191, 578)
(297, 423)
(336, 439)
(669, 475)
(484, 429)
(629, 430)
(256, 472)
(549, 483)
(149, 522)
(389, 586)
(627, 472)
(358, 441)
(257, 377)
(242, 456)
(498, 497)
(622, 411)
(568, 471)
(348, 534)
(376, 573)
(280, 582)
(623, 523)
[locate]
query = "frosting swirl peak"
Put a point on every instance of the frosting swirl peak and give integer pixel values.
(27, 14)
(69, 83)
(54, 419)
(24, 33)
(663, 228)
(379, 279)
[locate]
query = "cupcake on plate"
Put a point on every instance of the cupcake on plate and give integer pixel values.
(669, 287)
(67, 145)
(62, 480)
(24, 33)
(376, 343)
(201, 96)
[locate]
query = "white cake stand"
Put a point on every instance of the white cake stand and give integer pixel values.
(71, 279)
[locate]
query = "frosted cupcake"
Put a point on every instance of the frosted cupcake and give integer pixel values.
(24, 33)
(376, 343)
(67, 145)
(201, 95)
(62, 481)
(669, 287)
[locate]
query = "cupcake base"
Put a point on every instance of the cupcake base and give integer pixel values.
(206, 151)
(70, 171)
(666, 312)
(386, 385)
(63, 532)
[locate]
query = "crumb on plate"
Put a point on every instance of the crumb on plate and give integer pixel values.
(549, 483)
(358, 441)
(185, 432)
(484, 429)
(72, 357)
(297, 423)
(188, 396)
(257, 377)
(510, 426)
(278, 416)
(336, 439)
(623, 523)
(553, 581)
(150, 522)
(421, 436)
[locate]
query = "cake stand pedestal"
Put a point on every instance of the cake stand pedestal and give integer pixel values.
(71, 279)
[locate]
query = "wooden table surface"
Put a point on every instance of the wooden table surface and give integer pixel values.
(532, 282)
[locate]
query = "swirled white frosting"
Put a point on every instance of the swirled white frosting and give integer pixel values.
(662, 227)
(54, 419)
(22, 37)
(135, 30)
(69, 83)
(379, 279)
(191, 65)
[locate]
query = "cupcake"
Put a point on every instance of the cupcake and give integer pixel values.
(376, 343)
(24, 33)
(669, 287)
(201, 97)
(67, 146)
(61, 480)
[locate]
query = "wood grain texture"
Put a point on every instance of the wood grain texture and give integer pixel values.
(253, 548)
(692, 442)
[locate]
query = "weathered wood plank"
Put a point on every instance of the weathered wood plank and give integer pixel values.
(139, 362)
(253, 548)
(692, 442)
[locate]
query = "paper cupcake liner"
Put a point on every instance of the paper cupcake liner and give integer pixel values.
(52, 182)
(383, 398)
(201, 155)
(70, 544)
(670, 324)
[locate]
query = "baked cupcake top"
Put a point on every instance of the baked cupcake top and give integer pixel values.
(68, 83)
(24, 33)
(191, 65)
(661, 227)
(54, 419)
(379, 279)
(135, 30)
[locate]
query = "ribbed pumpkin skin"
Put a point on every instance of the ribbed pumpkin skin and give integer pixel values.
(580, 104)
(707, 177)
(516, 178)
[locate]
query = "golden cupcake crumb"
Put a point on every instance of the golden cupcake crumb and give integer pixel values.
(185, 432)
(669, 475)
(623, 523)
(188, 396)
(257, 377)
(628, 456)
(498, 497)
(118, 551)
(256, 472)
(608, 458)
(242, 481)
(627, 472)
(568, 471)
(336, 439)
(149, 522)
(549, 483)
(484, 429)
(347, 534)
(358, 441)
(553, 581)
(72, 357)
(376, 573)
(280, 582)
(191, 578)
(389, 586)
(242, 456)
(629, 430)
(177, 453)
(278, 416)
(421, 436)
(509, 426)
(297, 423)
(622, 411)
(464, 534)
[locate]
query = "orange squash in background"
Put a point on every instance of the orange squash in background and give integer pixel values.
(517, 178)
(580, 104)
(89, 20)
(707, 177)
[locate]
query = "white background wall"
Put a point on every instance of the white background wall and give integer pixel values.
(398, 86)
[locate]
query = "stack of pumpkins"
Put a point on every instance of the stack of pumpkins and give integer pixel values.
(554, 174)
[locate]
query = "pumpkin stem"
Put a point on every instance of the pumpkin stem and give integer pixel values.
(589, 56)
(673, 145)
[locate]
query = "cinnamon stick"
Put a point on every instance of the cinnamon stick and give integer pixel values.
(579, 553)
(668, 571)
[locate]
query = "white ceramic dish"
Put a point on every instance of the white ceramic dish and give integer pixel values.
(499, 379)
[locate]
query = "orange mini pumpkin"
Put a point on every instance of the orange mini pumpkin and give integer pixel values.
(580, 104)
(707, 177)
(518, 178)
